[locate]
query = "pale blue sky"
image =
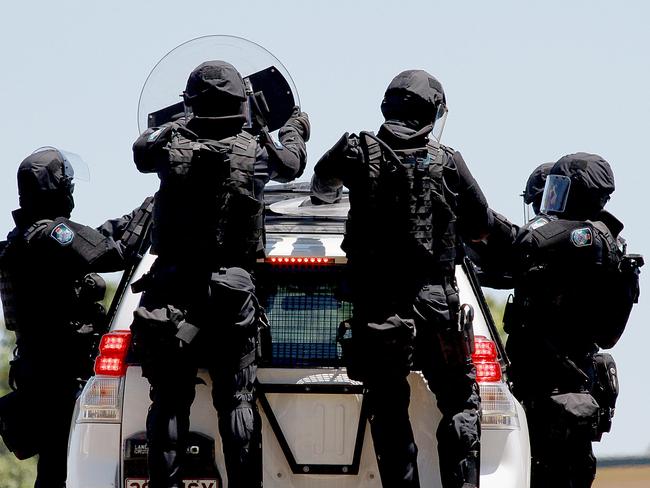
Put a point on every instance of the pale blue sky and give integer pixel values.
(526, 82)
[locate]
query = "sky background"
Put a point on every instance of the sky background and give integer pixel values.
(526, 83)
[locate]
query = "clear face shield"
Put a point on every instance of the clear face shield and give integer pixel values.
(74, 167)
(556, 194)
(439, 122)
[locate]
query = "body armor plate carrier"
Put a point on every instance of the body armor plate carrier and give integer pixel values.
(408, 198)
(206, 205)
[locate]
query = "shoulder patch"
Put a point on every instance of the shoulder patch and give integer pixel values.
(537, 223)
(62, 234)
(582, 237)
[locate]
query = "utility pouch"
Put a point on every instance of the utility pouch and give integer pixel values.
(383, 350)
(605, 390)
(154, 333)
(238, 227)
(17, 427)
(233, 301)
(576, 414)
(135, 232)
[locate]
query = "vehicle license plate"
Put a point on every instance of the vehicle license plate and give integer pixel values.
(187, 483)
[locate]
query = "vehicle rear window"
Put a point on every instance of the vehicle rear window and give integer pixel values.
(304, 307)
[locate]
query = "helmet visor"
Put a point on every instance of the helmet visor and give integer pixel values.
(74, 167)
(556, 194)
(439, 122)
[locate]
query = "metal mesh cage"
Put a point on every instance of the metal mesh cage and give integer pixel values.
(304, 311)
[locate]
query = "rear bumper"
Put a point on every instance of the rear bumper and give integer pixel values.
(320, 428)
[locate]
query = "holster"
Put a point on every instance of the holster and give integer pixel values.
(605, 390)
(264, 338)
(352, 352)
(17, 427)
(457, 343)
(512, 315)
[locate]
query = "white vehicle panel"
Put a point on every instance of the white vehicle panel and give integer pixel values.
(320, 428)
(94, 456)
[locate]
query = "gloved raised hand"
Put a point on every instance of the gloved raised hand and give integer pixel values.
(300, 121)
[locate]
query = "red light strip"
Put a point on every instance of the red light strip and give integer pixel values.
(313, 260)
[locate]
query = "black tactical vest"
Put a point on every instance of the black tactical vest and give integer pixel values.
(572, 283)
(206, 208)
(404, 214)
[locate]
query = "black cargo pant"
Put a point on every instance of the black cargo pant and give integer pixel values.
(32, 373)
(452, 381)
(568, 462)
(561, 457)
(226, 345)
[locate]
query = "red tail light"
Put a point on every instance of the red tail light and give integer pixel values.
(300, 260)
(488, 369)
(112, 353)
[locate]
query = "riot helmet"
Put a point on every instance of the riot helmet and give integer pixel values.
(535, 186)
(45, 182)
(215, 89)
(578, 186)
(416, 99)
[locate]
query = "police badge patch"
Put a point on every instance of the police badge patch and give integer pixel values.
(62, 234)
(582, 237)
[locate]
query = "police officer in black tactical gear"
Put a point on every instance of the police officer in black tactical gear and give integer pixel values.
(412, 201)
(574, 290)
(50, 293)
(535, 186)
(207, 233)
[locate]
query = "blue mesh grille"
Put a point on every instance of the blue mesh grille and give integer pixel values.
(304, 313)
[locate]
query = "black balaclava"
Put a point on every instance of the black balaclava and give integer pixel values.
(45, 185)
(535, 186)
(412, 99)
(215, 92)
(592, 182)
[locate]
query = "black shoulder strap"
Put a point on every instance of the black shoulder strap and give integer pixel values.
(34, 229)
(436, 163)
(242, 161)
(614, 251)
(372, 152)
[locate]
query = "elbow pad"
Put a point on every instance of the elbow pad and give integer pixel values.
(149, 148)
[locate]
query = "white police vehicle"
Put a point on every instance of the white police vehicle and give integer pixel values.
(315, 428)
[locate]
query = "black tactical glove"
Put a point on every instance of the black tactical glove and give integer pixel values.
(300, 121)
